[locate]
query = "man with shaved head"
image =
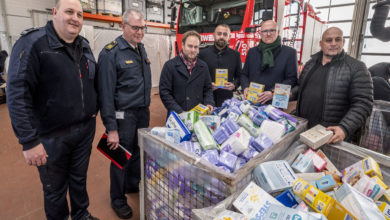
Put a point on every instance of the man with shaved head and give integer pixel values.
(334, 89)
(269, 63)
(52, 102)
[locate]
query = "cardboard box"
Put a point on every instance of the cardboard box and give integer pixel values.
(253, 91)
(316, 136)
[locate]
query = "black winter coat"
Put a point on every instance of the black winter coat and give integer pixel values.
(180, 91)
(348, 96)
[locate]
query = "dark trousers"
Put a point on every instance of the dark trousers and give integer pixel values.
(66, 169)
(129, 177)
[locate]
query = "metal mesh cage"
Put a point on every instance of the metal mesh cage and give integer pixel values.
(376, 133)
(175, 181)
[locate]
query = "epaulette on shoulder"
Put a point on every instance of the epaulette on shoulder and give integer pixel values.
(28, 31)
(111, 45)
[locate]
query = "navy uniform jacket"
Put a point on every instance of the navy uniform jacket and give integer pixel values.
(124, 79)
(180, 91)
(227, 58)
(48, 91)
(285, 70)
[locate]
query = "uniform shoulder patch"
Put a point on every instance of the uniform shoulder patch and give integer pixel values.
(111, 45)
(27, 31)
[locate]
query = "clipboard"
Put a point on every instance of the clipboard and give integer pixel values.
(119, 156)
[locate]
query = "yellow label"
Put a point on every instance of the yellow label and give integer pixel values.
(128, 61)
(253, 91)
(371, 167)
(320, 201)
(221, 77)
(385, 209)
(201, 109)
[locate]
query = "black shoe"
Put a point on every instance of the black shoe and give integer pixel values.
(88, 216)
(123, 212)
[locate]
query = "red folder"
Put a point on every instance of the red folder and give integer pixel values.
(119, 156)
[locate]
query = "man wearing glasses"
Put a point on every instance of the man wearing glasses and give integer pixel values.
(269, 63)
(124, 79)
(222, 61)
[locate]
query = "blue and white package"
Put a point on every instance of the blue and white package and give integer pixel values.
(193, 147)
(211, 156)
(274, 176)
(303, 164)
(227, 159)
(262, 142)
(230, 126)
(287, 124)
(249, 154)
(172, 135)
(236, 110)
(233, 116)
(287, 199)
(276, 114)
(240, 162)
(221, 135)
(175, 122)
(257, 117)
(326, 183)
(226, 148)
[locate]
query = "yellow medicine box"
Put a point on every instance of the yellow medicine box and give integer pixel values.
(201, 109)
(320, 201)
(253, 91)
(368, 165)
(221, 77)
(384, 208)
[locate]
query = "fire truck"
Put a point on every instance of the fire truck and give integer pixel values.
(296, 21)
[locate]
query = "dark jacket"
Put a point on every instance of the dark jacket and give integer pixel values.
(124, 80)
(3, 57)
(284, 70)
(180, 91)
(47, 90)
(348, 93)
(380, 74)
(227, 58)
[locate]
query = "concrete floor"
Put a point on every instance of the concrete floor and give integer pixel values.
(21, 195)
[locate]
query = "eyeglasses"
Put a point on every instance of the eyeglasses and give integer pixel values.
(270, 31)
(136, 28)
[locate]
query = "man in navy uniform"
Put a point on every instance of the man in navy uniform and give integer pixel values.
(124, 79)
(220, 58)
(52, 102)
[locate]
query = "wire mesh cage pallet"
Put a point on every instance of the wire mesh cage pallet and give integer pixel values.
(376, 133)
(173, 181)
(342, 155)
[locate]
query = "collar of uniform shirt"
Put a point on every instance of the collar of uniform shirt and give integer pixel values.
(131, 45)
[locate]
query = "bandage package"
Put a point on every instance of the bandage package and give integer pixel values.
(319, 163)
(303, 164)
(358, 204)
(201, 109)
(274, 176)
(189, 119)
(246, 123)
(253, 91)
(326, 183)
(276, 212)
(384, 208)
(320, 201)
(316, 136)
(369, 187)
(254, 202)
(238, 141)
(221, 77)
(272, 129)
(281, 95)
(368, 166)
(204, 136)
(175, 122)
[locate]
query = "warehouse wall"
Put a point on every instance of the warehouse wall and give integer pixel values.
(22, 15)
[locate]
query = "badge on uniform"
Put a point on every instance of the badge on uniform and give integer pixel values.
(128, 61)
(120, 115)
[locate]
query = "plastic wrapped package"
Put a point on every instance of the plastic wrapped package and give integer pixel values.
(204, 136)
(230, 126)
(204, 184)
(238, 141)
(247, 123)
(221, 134)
